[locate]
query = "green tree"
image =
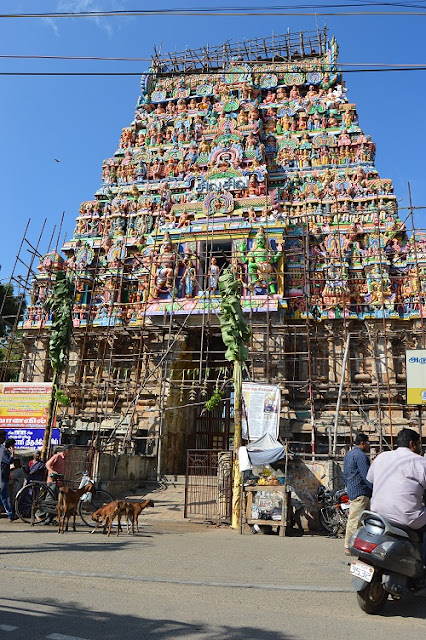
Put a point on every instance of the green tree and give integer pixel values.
(11, 307)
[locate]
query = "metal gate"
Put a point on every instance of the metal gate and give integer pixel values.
(77, 462)
(208, 485)
(212, 428)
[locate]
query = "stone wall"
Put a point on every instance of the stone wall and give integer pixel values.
(306, 476)
(122, 473)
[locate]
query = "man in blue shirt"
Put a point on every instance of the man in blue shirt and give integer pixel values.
(355, 469)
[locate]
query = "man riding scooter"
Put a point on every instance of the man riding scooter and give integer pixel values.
(391, 543)
(399, 482)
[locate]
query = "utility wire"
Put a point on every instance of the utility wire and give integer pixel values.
(174, 73)
(95, 58)
(203, 10)
(251, 11)
(165, 60)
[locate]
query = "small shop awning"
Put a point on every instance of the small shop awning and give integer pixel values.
(263, 451)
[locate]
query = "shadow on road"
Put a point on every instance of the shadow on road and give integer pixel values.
(414, 607)
(38, 619)
(86, 545)
(146, 529)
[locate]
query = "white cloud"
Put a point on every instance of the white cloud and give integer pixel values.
(64, 6)
(52, 23)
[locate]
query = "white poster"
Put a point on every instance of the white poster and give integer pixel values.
(261, 410)
(415, 361)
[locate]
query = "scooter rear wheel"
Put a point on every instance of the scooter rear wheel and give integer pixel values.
(373, 598)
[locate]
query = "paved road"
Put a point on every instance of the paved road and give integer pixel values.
(178, 581)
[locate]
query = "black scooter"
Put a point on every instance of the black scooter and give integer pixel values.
(389, 562)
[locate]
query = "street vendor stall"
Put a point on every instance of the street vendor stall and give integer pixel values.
(266, 506)
(265, 496)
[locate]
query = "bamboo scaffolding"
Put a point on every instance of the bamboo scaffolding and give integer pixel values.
(117, 366)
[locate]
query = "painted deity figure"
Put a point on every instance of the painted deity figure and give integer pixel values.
(184, 220)
(281, 94)
(294, 93)
(166, 267)
(242, 118)
(213, 273)
(311, 94)
(252, 276)
(252, 215)
(251, 142)
(189, 279)
(263, 258)
(335, 292)
(379, 287)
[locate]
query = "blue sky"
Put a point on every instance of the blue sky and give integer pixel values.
(79, 120)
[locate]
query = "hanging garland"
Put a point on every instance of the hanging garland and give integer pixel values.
(218, 395)
(214, 401)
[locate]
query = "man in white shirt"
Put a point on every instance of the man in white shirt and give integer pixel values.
(399, 483)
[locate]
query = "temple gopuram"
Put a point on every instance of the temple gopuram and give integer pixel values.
(252, 155)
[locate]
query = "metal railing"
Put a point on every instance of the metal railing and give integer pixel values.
(208, 485)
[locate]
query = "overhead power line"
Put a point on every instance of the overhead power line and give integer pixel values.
(38, 57)
(360, 65)
(195, 72)
(286, 10)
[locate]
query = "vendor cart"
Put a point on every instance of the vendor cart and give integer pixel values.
(265, 505)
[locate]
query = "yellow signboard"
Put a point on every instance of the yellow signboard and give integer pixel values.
(23, 404)
(415, 362)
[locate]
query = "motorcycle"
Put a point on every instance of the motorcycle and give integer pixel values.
(335, 510)
(389, 562)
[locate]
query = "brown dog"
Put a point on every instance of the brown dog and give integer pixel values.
(106, 514)
(133, 511)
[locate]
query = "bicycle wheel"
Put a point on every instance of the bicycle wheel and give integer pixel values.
(33, 498)
(87, 507)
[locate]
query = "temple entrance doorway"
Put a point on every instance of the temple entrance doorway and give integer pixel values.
(213, 429)
(209, 456)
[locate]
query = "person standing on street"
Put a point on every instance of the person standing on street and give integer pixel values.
(6, 457)
(16, 480)
(56, 468)
(57, 465)
(35, 459)
(355, 469)
(36, 470)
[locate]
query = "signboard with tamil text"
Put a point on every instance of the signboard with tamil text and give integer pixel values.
(32, 438)
(24, 409)
(233, 183)
(415, 361)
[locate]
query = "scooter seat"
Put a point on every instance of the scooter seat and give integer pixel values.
(414, 535)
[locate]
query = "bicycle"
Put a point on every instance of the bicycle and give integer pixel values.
(37, 501)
